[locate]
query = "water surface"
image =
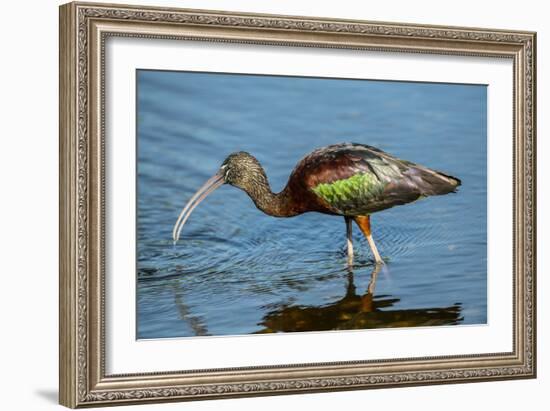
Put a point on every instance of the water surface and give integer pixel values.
(238, 271)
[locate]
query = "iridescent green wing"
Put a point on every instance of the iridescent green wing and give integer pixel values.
(355, 179)
(352, 193)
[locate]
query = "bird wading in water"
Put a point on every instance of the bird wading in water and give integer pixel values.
(348, 180)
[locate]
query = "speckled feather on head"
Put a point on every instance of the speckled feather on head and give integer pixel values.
(351, 180)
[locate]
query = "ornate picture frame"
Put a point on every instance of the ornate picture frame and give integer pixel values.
(84, 29)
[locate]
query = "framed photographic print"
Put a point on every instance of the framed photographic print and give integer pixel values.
(259, 204)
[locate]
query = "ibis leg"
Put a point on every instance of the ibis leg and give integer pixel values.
(349, 240)
(367, 304)
(373, 277)
(364, 224)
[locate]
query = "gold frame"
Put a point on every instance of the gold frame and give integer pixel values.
(84, 27)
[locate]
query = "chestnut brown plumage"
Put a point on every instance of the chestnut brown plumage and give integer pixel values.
(349, 179)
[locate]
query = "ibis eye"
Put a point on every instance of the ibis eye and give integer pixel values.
(225, 170)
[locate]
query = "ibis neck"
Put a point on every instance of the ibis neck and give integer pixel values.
(273, 204)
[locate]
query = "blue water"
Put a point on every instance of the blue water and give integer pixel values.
(238, 271)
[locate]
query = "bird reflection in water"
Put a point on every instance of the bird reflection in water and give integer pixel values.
(355, 311)
(195, 323)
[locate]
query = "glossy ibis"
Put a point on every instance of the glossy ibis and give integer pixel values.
(349, 180)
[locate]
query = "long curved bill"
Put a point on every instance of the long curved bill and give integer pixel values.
(212, 184)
